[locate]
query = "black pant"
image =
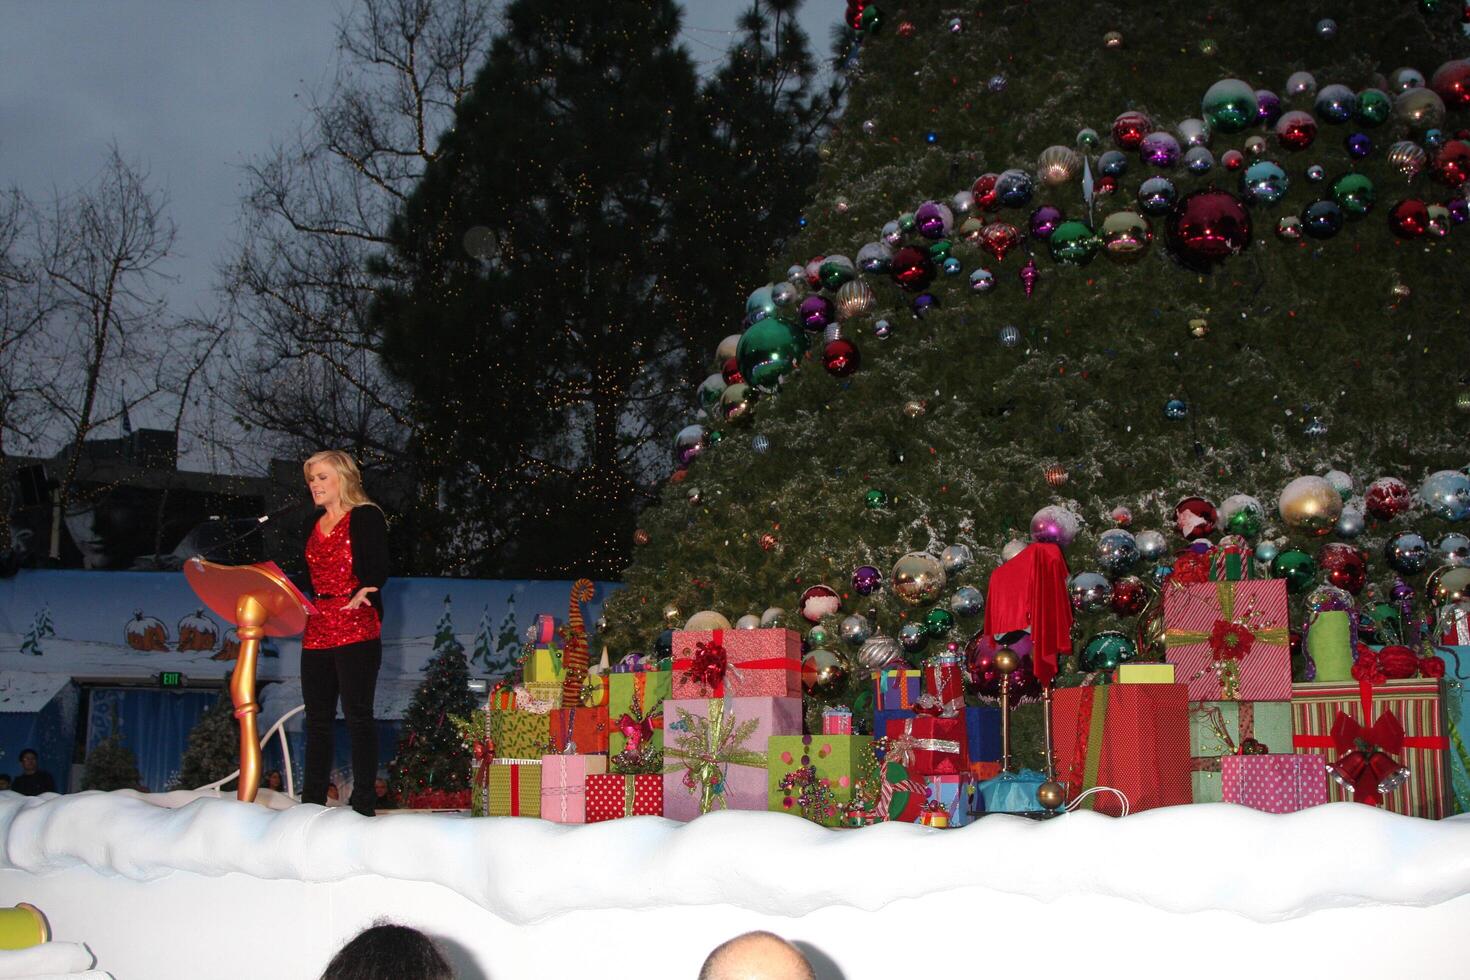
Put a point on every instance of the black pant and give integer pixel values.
(350, 671)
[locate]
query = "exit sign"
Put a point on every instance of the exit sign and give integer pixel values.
(170, 678)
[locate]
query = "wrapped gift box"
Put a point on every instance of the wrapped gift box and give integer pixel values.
(1228, 640)
(1131, 737)
(611, 796)
(586, 728)
(956, 794)
(564, 785)
(824, 769)
(1418, 707)
(938, 746)
(739, 765)
(1457, 722)
(515, 788)
(543, 663)
(895, 689)
(837, 721)
(520, 734)
(1146, 674)
(737, 663)
(982, 737)
(1275, 782)
(1218, 729)
(943, 682)
(651, 688)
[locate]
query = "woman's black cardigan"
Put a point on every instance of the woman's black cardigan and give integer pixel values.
(369, 531)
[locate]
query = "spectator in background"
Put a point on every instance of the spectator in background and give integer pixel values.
(33, 780)
(334, 795)
(756, 956)
(275, 781)
(383, 801)
(389, 952)
(4, 781)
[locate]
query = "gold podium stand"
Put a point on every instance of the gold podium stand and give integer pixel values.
(260, 601)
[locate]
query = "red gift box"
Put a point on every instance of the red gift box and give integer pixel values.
(944, 684)
(928, 746)
(1131, 737)
(587, 727)
(737, 663)
(1273, 782)
(1228, 640)
(610, 796)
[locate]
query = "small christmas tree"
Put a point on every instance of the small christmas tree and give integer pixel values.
(213, 749)
(431, 755)
(111, 764)
(40, 629)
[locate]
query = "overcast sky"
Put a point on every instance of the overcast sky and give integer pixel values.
(192, 90)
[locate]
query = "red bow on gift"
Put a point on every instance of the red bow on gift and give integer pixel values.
(1230, 641)
(1192, 567)
(1366, 767)
(708, 668)
(635, 730)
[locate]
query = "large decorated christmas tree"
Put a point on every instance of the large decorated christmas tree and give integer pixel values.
(1122, 283)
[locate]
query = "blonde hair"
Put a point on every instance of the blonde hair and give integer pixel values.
(353, 495)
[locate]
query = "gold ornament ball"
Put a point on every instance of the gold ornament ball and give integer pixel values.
(841, 205)
(1199, 327)
(1419, 108)
(672, 615)
(823, 673)
(1058, 165)
(1401, 292)
(914, 408)
(727, 348)
(1049, 794)
(640, 537)
(1462, 401)
(854, 299)
(707, 619)
(1209, 47)
(918, 577)
(1056, 474)
(1005, 660)
(1113, 40)
(1255, 145)
(1310, 504)
(1407, 158)
(1452, 586)
(824, 151)
(1125, 236)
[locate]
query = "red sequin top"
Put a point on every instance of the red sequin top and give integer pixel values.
(329, 559)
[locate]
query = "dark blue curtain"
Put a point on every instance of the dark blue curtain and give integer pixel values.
(49, 731)
(341, 755)
(154, 724)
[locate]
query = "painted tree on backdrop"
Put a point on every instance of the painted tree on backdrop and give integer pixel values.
(431, 757)
(965, 390)
(565, 253)
(213, 749)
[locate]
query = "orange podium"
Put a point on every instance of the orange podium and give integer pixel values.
(260, 601)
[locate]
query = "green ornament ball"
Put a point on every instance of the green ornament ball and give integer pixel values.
(768, 351)
(1073, 243)
(1245, 522)
(1374, 107)
(875, 499)
(1297, 567)
(818, 636)
(906, 221)
(1088, 140)
(1354, 194)
(1107, 650)
(1229, 105)
(938, 622)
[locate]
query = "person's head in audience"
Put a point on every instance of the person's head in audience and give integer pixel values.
(333, 793)
(4, 780)
(380, 787)
(756, 956)
(385, 951)
(29, 761)
(274, 780)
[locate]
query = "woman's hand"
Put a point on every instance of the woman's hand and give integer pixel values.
(360, 598)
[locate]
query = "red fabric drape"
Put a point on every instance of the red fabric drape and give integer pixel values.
(1029, 592)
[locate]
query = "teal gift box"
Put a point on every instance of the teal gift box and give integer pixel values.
(1010, 792)
(1457, 716)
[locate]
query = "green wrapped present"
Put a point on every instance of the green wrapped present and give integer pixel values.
(514, 788)
(1221, 728)
(520, 734)
(813, 776)
(639, 695)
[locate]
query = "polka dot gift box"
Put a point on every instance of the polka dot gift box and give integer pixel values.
(1275, 783)
(812, 776)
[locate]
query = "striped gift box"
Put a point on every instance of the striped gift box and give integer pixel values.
(1419, 706)
(514, 788)
(1201, 619)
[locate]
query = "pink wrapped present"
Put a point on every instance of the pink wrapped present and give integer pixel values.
(737, 663)
(716, 751)
(837, 721)
(564, 785)
(1228, 640)
(1276, 783)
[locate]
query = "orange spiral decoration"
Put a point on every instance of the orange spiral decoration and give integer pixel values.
(574, 651)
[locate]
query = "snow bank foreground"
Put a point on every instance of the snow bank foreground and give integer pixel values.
(736, 870)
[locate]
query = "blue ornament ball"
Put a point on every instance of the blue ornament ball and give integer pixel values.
(1358, 145)
(1175, 409)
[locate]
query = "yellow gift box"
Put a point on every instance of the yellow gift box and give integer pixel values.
(544, 664)
(1146, 674)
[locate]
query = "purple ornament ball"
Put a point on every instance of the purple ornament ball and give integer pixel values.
(816, 312)
(1044, 220)
(1268, 107)
(865, 579)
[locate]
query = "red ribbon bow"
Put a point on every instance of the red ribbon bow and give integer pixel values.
(708, 668)
(1192, 567)
(1230, 641)
(1367, 766)
(635, 730)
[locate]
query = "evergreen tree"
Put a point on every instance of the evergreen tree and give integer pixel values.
(482, 653)
(1165, 369)
(213, 748)
(41, 628)
(431, 755)
(506, 659)
(561, 257)
(111, 765)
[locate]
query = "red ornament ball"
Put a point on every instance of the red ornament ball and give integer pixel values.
(1409, 218)
(640, 537)
(999, 237)
(1232, 160)
(730, 371)
(1296, 130)
(1398, 662)
(1106, 184)
(1387, 497)
(912, 268)
(1195, 517)
(986, 198)
(768, 541)
(818, 601)
(906, 29)
(1451, 165)
(1451, 81)
(1056, 474)
(1343, 565)
(841, 357)
(1130, 128)
(1208, 226)
(1130, 595)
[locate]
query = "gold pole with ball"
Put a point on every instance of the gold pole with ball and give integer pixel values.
(1005, 662)
(1050, 793)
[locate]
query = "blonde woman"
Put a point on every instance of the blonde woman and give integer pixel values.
(347, 556)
